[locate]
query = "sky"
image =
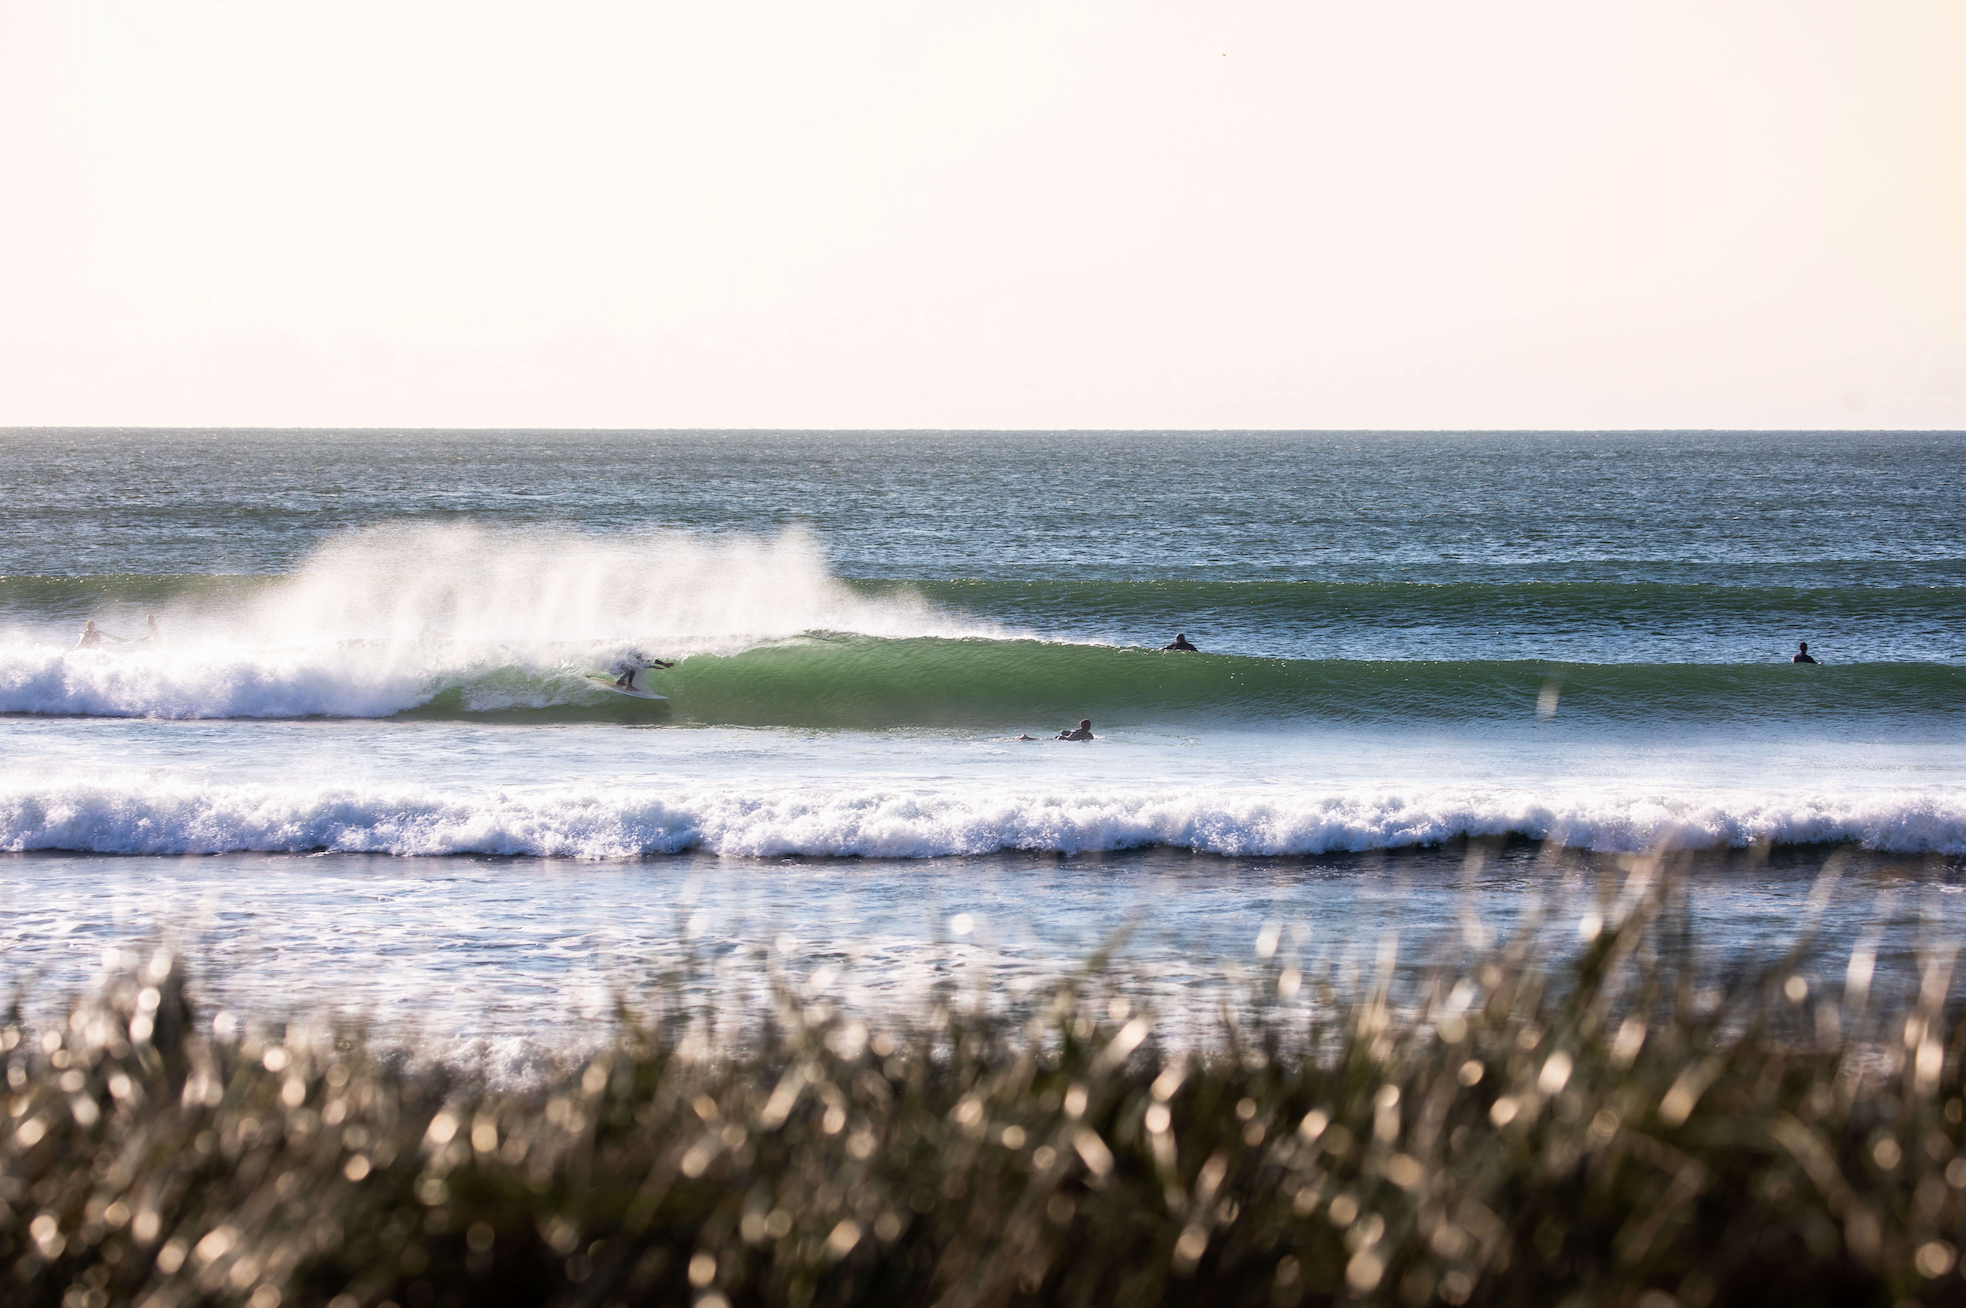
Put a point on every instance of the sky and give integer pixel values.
(1016, 215)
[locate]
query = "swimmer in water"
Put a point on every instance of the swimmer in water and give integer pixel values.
(93, 636)
(1802, 653)
(1180, 641)
(1084, 731)
(152, 636)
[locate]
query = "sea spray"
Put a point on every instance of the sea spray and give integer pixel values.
(482, 587)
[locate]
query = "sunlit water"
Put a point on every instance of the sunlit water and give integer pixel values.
(364, 766)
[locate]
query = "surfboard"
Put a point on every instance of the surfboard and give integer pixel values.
(607, 683)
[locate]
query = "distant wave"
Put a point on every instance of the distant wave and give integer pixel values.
(789, 583)
(1455, 605)
(154, 817)
(830, 679)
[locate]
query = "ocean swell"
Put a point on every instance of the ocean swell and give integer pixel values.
(145, 816)
(832, 679)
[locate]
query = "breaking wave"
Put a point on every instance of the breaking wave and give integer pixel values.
(143, 816)
(845, 680)
(458, 621)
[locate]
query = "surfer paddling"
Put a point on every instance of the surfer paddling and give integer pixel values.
(1180, 641)
(92, 636)
(1082, 732)
(1802, 653)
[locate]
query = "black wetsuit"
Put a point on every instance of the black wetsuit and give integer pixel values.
(1181, 642)
(1802, 658)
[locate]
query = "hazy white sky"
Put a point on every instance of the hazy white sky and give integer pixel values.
(1124, 214)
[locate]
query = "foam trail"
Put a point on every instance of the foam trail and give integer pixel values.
(214, 681)
(140, 815)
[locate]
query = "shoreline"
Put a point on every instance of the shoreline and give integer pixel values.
(529, 954)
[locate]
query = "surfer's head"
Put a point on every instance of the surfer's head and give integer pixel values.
(1085, 724)
(1801, 645)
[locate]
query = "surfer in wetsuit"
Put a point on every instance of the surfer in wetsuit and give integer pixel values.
(626, 681)
(152, 636)
(93, 636)
(1802, 653)
(1180, 641)
(1084, 731)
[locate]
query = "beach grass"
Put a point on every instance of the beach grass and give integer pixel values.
(1630, 1123)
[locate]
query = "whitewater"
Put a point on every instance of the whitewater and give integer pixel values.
(142, 816)
(1441, 678)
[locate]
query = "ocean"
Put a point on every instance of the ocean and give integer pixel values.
(362, 767)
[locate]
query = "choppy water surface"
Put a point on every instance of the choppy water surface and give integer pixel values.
(504, 955)
(379, 644)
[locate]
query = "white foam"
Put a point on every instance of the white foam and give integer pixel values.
(380, 621)
(142, 815)
(215, 681)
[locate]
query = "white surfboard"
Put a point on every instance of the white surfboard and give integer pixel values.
(607, 683)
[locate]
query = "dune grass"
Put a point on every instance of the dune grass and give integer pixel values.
(1607, 1128)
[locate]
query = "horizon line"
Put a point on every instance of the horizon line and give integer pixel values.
(392, 429)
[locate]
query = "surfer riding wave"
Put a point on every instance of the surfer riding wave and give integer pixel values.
(627, 678)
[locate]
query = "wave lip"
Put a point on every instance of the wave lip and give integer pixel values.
(149, 817)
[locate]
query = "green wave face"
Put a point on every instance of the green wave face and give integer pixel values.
(859, 682)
